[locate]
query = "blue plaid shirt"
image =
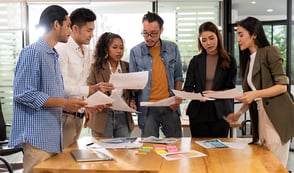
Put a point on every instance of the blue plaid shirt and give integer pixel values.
(37, 77)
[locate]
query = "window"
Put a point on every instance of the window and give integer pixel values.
(11, 41)
(182, 20)
(122, 17)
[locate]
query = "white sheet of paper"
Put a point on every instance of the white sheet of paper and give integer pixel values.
(98, 98)
(135, 80)
(126, 144)
(119, 104)
(236, 145)
(227, 94)
(188, 95)
(164, 102)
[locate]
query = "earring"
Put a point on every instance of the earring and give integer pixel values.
(106, 56)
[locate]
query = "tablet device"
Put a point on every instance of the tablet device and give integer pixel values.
(84, 155)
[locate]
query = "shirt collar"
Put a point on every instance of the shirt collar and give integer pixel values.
(118, 69)
(73, 44)
(46, 46)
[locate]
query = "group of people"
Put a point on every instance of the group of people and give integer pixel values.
(55, 74)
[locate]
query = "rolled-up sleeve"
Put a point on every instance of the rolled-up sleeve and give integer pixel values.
(275, 64)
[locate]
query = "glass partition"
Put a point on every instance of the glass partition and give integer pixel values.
(123, 18)
(182, 20)
(12, 22)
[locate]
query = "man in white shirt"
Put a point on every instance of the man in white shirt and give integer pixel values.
(75, 64)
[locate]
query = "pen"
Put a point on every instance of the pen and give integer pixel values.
(89, 144)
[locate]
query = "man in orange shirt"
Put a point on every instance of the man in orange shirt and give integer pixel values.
(162, 59)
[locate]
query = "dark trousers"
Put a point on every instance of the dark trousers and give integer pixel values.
(207, 124)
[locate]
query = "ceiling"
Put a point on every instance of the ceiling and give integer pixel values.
(241, 8)
(259, 9)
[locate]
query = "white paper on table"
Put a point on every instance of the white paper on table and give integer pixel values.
(227, 94)
(164, 102)
(135, 80)
(98, 98)
(120, 104)
(120, 145)
(190, 95)
(235, 145)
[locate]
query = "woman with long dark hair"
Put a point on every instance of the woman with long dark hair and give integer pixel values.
(265, 90)
(213, 69)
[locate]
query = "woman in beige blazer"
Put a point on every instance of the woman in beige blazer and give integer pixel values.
(108, 53)
(265, 90)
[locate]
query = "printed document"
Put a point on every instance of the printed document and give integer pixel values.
(98, 98)
(119, 104)
(164, 102)
(212, 143)
(135, 80)
(189, 95)
(227, 94)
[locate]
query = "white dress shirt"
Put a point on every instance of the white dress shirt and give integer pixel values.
(249, 76)
(118, 70)
(75, 67)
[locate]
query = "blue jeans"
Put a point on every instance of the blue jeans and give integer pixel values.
(116, 126)
(164, 118)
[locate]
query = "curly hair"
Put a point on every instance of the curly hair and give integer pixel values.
(101, 49)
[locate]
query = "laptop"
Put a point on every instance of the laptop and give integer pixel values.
(84, 155)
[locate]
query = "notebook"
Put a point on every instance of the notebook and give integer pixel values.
(84, 155)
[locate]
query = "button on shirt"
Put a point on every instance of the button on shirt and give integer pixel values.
(37, 77)
(74, 67)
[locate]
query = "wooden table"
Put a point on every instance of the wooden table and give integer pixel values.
(252, 159)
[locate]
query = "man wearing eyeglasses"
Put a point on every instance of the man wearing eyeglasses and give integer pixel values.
(162, 59)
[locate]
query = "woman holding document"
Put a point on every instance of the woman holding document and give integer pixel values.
(107, 55)
(211, 70)
(265, 90)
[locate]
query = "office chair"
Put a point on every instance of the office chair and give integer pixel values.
(4, 150)
(7, 165)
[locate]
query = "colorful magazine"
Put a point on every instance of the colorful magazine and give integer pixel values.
(212, 143)
(182, 155)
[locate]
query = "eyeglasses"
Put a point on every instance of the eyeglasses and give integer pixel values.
(152, 34)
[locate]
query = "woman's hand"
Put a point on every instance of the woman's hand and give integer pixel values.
(247, 97)
(232, 117)
(178, 101)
